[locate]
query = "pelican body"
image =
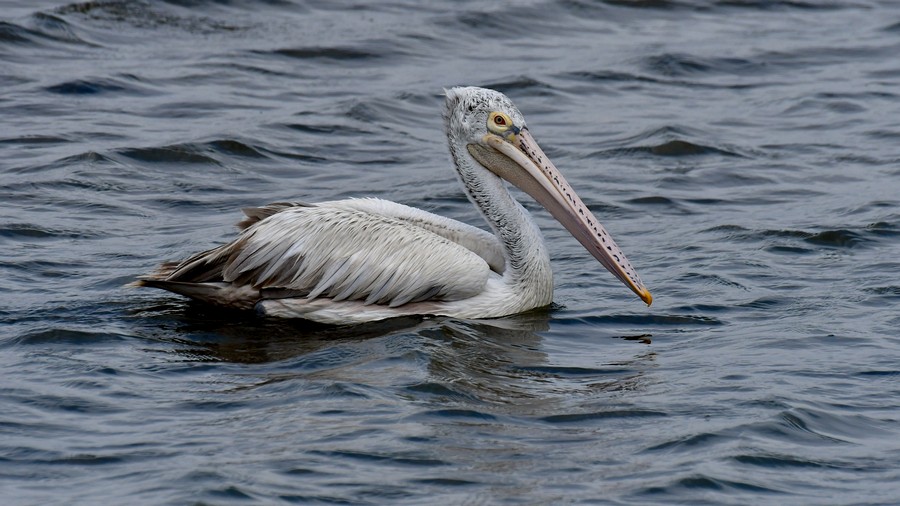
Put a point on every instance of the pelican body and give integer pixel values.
(358, 260)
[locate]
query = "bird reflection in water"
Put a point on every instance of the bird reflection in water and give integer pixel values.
(502, 361)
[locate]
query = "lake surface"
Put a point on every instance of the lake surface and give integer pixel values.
(744, 153)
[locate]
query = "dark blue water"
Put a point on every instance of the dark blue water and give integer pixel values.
(744, 153)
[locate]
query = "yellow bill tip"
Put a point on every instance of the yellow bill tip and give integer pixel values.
(645, 296)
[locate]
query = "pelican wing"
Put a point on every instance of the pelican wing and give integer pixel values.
(341, 253)
(482, 243)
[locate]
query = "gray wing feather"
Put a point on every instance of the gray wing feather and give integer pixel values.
(479, 241)
(257, 214)
(483, 243)
(343, 254)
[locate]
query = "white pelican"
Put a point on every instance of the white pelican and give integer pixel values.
(358, 260)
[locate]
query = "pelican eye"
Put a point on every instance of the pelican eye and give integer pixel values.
(498, 122)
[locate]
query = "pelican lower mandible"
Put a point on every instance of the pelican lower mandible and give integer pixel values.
(358, 260)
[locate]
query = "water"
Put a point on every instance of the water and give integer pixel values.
(745, 154)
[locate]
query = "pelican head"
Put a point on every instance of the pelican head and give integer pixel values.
(496, 136)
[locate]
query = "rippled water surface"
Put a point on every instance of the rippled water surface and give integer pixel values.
(745, 154)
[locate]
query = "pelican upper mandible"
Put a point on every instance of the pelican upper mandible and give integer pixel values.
(358, 260)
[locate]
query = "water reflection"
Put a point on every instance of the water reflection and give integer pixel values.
(240, 337)
(202, 331)
(503, 365)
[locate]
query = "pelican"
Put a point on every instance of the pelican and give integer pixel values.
(359, 260)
